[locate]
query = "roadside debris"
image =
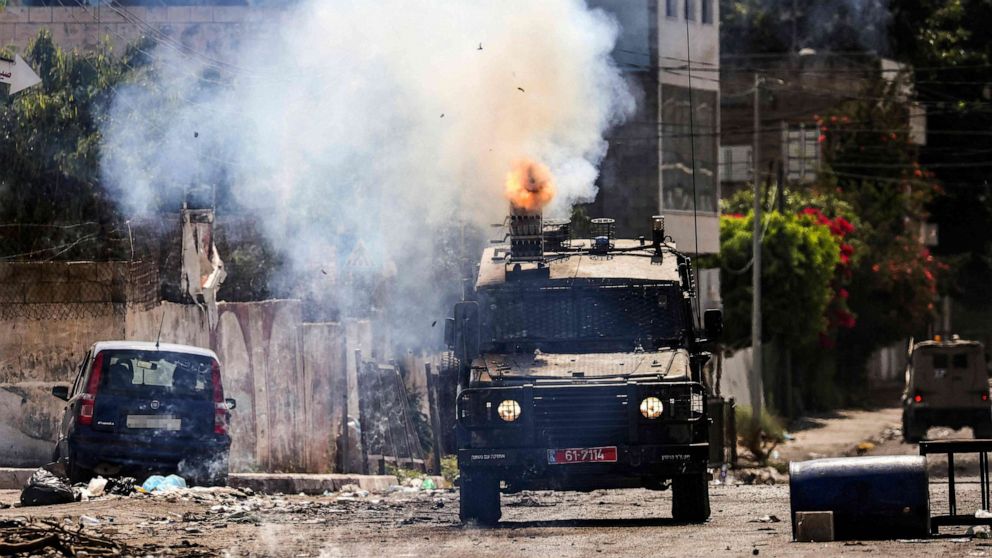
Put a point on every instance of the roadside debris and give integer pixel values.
(158, 483)
(18, 536)
(761, 475)
(979, 532)
(47, 486)
(95, 488)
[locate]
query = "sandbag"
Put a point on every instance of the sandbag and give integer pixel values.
(47, 486)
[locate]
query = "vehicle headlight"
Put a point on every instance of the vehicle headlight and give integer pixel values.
(508, 410)
(651, 407)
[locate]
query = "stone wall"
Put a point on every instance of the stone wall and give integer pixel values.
(207, 29)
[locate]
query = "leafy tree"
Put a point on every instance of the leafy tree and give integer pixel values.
(780, 26)
(799, 256)
(947, 42)
(871, 165)
(50, 152)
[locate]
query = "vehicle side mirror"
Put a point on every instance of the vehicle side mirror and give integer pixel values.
(231, 404)
(713, 324)
(467, 334)
(62, 392)
(449, 333)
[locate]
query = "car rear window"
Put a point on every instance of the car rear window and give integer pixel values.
(158, 372)
(940, 360)
(960, 360)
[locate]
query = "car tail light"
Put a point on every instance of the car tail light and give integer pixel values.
(220, 406)
(88, 398)
(918, 398)
(985, 397)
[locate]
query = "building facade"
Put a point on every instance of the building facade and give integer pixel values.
(793, 89)
(664, 159)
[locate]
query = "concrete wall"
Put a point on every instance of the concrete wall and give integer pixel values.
(212, 29)
(291, 380)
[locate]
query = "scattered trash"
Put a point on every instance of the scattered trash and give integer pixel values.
(766, 519)
(88, 521)
(158, 483)
(979, 532)
(761, 475)
(121, 486)
(865, 447)
(47, 486)
(983, 514)
(96, 487)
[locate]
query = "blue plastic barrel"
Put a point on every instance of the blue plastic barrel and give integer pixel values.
(877, 497)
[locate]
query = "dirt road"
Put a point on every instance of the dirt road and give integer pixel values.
(618, 523)
(425, 523)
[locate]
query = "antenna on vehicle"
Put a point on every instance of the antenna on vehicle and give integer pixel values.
(692, 152)
(160, 323)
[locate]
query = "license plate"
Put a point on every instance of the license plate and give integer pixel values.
(582, 455)
(159, 422)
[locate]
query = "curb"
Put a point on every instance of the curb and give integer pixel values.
(289, 483)
(14, 478)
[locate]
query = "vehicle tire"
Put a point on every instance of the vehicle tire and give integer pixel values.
(76, 473)
(912, 432)
(691, 498)
(479, 498)
(982, 431)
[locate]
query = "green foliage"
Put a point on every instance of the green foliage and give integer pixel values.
(799, 256)
(893, 288)
(50, 152)
(948, 44)
(779, 26)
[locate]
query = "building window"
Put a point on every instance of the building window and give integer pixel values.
(801, 150)
(690, 10)
(671, 8)
(735, 163)
(707, 11)
(689, 149)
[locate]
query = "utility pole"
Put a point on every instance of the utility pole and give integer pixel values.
(756, 365)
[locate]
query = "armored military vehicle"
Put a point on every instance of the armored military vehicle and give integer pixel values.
(581, 369)
(947, 384)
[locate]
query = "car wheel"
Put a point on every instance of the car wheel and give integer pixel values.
(76, 473)
(479, 498)
(982, 431)
(691, 498)
(912, 432)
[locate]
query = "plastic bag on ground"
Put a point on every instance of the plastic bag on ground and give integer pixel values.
(96, 487)
(158, 483)
(121, 486)
(47, 486)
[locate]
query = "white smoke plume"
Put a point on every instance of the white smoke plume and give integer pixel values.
(376, 120)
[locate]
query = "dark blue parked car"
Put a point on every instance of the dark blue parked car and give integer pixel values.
(138, 407)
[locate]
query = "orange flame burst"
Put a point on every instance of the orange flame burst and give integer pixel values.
(529, 186)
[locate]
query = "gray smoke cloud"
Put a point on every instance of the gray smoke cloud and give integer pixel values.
(378, 122)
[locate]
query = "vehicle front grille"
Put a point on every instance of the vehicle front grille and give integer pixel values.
(581, 416)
